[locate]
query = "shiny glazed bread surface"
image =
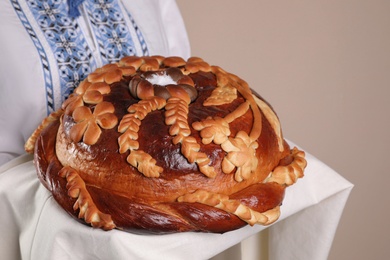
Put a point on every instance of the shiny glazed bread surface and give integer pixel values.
(200, 153)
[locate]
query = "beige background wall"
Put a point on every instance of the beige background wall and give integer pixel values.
(325, 67)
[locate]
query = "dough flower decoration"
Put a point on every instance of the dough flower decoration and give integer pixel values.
(213, 130)
(217, 129)
(74, 101)
(110, 73)
(88, 123)
(92, 89)
(241, 156)
(86, 92)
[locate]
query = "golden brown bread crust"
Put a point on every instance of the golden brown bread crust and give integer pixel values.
(196, 153)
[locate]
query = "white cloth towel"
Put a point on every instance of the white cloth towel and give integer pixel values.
(33, 226)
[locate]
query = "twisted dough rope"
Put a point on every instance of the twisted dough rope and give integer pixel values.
(283, 175)
(88, 210)
(235, 207)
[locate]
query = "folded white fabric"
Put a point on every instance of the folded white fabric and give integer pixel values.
(33, 226)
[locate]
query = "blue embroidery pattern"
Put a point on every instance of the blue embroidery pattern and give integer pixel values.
(42, 55)
(110, 29)
(73, 57)
(68, 44)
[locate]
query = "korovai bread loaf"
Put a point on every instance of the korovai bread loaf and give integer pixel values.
(161, 145)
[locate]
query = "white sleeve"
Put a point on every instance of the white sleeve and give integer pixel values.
(177, 37)
(162, 26)
(22, 93)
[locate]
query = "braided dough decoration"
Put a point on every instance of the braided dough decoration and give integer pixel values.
(160, 144)
(88, 210)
